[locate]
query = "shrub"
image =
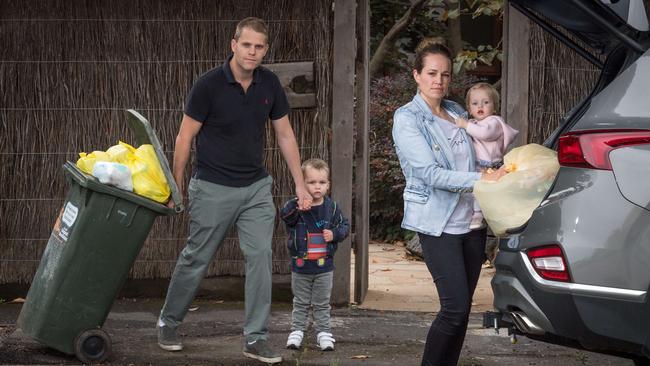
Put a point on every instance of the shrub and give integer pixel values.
(387, 182)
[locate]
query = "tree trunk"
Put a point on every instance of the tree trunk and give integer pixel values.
(389, 39)
(453, 27)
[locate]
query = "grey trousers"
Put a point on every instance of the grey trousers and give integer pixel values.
(213, 209)
(314, 290)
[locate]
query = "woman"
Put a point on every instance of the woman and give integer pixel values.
(437, 160)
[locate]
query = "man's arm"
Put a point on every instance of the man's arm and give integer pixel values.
(186, 133)
(289, 148)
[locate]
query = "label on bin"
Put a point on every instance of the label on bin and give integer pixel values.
(70, 214)
(65, 221)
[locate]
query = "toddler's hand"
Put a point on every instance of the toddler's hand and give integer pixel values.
(328, 235)
(461, 122)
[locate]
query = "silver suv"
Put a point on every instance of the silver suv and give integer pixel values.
(578, 273)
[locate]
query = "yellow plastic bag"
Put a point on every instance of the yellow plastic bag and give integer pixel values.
(510, 201)
(147, 174)
(86, 162)
(148, 177)
(121, 153)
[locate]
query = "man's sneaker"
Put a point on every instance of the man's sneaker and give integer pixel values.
(168, 339)
(295, 339)
(325, 341)
(260, 350)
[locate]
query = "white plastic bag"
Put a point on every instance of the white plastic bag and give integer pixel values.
(510, 201)
(115, 174)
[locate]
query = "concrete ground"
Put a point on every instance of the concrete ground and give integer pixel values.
(401, 282)
(370, 334)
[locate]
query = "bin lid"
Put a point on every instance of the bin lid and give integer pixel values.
(145, 134)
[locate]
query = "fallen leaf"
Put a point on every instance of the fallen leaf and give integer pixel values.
(374, 261)
(193, 308)
(386, 270)
(219, 302)
(388, 249)
(18, 300)
(360, 357)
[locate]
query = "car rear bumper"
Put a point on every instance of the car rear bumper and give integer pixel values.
(549, 312)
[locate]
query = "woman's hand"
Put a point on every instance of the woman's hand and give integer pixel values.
(461, 122)
(494, 175)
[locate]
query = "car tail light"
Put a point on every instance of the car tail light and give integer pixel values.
(590, 149)
(549, 263)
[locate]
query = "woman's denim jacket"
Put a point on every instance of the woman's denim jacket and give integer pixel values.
(433, 187)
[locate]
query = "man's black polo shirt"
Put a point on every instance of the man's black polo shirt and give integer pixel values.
(230, 143)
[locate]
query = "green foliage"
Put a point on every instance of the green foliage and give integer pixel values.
(383, 17)
(431, 22)
(474, 7)
(387, 182)
(468, 59)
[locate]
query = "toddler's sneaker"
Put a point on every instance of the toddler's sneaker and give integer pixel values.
(295, 339)
(325, 341)
(477, 221)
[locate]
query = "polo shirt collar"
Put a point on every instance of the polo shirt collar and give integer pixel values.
(231, 78)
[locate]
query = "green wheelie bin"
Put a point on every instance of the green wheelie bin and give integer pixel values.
(96, 238)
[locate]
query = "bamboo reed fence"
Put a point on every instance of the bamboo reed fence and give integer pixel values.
(559, 80)
(69, 69)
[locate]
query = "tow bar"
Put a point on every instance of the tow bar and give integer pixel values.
(495, 320)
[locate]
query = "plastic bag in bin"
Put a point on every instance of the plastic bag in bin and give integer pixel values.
(509, 202)
(86, 162)
(148, 179)
(115, 174)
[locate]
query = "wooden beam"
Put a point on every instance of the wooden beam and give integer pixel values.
(362, 170)
(517, 67)
(297, 78)
(344, 53)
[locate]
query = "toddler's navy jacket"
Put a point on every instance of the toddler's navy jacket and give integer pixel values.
(300, 223)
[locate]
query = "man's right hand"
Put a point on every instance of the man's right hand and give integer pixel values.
(304, 198)
(171, 204)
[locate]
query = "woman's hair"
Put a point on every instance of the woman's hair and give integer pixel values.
(317, 164)
(256, 24)
(430, 46)
(491, 91)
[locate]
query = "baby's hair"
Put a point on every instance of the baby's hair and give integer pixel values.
(430, 46)
(317, 164)
(492, 93)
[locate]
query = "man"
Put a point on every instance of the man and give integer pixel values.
(227, 111)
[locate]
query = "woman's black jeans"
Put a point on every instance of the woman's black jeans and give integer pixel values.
(454, 262)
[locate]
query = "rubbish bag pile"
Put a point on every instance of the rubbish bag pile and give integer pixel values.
(125, 167)
(509, 202)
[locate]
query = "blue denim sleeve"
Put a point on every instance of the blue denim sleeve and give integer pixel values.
(417, 158)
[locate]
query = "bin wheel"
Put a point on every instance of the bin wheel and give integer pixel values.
(92, 346)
